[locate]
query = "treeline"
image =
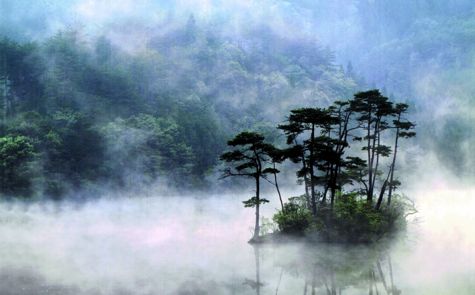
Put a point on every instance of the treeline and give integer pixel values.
(346, 155)
(79, 113)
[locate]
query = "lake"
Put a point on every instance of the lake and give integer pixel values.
(184, 245)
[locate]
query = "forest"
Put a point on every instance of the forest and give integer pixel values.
(166, 111)
(78, 115)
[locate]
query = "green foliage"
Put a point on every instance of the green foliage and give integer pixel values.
(249, 156)
(355, 221)
(177, 99)
(166, 143)
(294, 219)
(352, 220)
(77, 105)
(73, 152)
(149, 147)
(16, 156)
(253, 202)
(203, 83)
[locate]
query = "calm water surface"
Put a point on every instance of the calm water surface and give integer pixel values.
(180, 245)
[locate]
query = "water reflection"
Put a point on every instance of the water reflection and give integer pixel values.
(276, 269)
(322, 269)
(256, 284)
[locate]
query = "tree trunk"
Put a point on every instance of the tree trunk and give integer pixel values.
(370, 164)
(278, 190)
(332, 200)
(312, 176)
(305, 178)
(333, 180)
(393, 164)
(257, 226)
(325, 191)
(377, 134)
(381, 195)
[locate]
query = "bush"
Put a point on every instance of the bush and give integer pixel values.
(352, 220)
(294, 219)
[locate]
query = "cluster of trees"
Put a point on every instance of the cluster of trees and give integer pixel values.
(318, 141)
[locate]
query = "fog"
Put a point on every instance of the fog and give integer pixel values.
(417, 51)
(168, 244)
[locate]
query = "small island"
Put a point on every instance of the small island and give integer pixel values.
(346, 157)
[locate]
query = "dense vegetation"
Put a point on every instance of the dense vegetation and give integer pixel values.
(345, 187)
(196, 81)
(78, 114)
(230, 80)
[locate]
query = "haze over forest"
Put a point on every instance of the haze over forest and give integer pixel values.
(156, 88)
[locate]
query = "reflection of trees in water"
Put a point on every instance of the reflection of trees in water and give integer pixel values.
(391, 288)
(256, 284)
(331, 270)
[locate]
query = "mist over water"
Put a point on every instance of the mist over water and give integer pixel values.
(184, 245)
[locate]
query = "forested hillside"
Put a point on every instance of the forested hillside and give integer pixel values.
(80, 112)
(423, 50)
(121, 102)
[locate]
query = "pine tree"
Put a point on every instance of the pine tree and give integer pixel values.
(250, 158)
